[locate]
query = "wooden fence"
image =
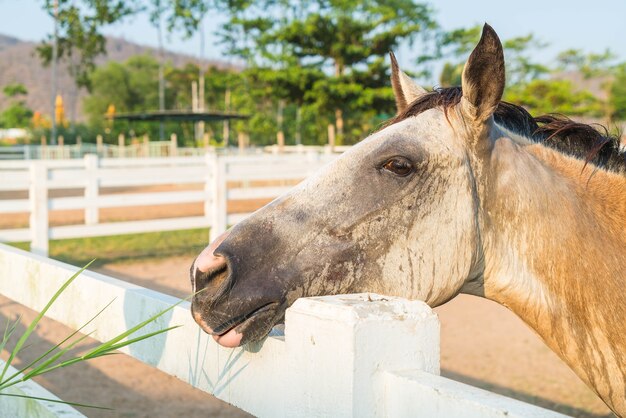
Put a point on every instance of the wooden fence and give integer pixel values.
(210, 173)
(340, 356)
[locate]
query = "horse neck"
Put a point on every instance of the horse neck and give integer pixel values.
(555, 245)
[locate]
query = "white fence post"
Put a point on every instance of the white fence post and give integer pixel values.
(218, 196)
(91, 189)
(209, 160)
(339, 347)
(173, 145)
(38, 196)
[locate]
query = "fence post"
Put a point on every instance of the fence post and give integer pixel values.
(173, 145)
(99, 145)
(146, 145)
(91, 189)
(121, 143)
(38, 196)
(331, 137)
(217, 190)
(339, 348)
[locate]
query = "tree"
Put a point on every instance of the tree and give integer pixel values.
(16, 114)
(131, 86)
(520, 68)
(554, 96)
(343, 40)
(618, 93)
(79, 39)
(593, 65)
(80, 22)
(589, 65)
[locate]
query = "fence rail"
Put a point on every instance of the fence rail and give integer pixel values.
(209, 174)
(340, 356)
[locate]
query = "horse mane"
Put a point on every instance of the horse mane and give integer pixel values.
(583, 141)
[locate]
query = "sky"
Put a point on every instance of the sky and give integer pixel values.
(592, 26)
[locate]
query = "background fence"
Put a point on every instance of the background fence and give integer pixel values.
(144, 149)
(212, 180)
(340, 356)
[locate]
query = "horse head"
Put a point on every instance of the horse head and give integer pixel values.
(397, 214)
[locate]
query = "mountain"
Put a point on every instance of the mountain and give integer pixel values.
(19, 63)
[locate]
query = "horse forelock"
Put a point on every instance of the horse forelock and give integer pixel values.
(591, 143)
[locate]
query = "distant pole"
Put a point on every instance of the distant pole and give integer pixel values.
(161, 80)
(194, 107)
(226, 133)
(298, 125)
(201, 81)
(55, 53)
(280, 136)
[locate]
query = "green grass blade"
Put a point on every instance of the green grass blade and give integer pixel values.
(10, 381)
(56, 401)
(44, 355)
(143, 337)
(105, 346)
(8, 332)
(108, 351)
(34, 323)
(37, 370)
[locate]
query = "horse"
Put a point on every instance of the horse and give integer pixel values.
(460, 192)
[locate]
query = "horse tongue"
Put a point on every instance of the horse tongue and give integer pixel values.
(231, 339)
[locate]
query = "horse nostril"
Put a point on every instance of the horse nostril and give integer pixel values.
(209, 262)
(209, 270)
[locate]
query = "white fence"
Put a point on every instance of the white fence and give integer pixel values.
(144, 150)
(340, 356)
(57, 152)
(211, 173)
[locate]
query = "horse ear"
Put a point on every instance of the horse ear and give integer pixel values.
(483, 77)
(404, 89)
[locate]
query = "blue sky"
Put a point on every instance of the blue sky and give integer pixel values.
(588, 25)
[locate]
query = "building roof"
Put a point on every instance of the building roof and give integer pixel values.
(177, 116)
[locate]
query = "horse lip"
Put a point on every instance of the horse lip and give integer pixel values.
(235, 322)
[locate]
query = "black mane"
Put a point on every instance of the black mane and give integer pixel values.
(579, 140)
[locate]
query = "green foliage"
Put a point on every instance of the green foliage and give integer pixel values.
(120, 248)
(326, 57)
(456, 46)
(589, 65)
(618, 93)
(554, 96)
(14, 90)
(16, 114)
(79, 39)
(320, 61)
(131, 86)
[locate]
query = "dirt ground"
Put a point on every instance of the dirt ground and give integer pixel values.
(482, 344)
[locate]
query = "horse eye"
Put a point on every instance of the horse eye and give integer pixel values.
(399, 166)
